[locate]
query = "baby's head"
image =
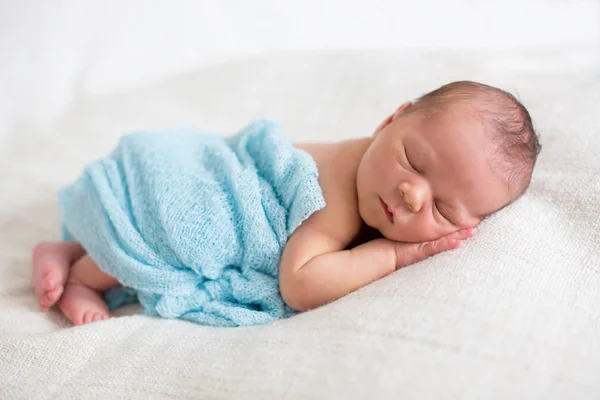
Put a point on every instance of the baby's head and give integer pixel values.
(446, 161)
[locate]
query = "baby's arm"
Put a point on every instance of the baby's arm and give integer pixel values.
(315, 270)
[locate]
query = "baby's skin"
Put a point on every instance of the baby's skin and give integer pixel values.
(415, 188)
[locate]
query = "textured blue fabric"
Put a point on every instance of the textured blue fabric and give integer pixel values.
(193, 224)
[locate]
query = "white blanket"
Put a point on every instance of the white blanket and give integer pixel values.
(512, 314)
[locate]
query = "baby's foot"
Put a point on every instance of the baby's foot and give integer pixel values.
(51, 262)
(82, 304)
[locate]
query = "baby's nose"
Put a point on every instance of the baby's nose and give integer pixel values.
(413, 196)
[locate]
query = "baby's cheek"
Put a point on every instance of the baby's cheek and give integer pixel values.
(416, 231)
(434, 231)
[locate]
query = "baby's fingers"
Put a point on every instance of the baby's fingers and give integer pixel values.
(437, 246)
(460, 235)
(410, 253)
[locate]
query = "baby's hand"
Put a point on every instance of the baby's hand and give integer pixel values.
(410, 253)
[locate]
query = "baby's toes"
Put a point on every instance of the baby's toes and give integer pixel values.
(78, 320)
(53, 296)
(97, 317)
(88, 317)
(82, 319)
(49, 298)
(45, 301)
(49, 282)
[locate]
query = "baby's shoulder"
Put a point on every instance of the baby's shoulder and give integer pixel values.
(339, 219)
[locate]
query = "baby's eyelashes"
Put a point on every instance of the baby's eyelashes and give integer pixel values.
(436, 206)
(410, 164)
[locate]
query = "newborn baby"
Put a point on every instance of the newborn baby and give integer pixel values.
(417, 187)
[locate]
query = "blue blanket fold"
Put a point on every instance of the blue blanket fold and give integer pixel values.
(193, 224)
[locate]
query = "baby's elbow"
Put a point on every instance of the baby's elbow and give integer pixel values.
(294, 292)
(296, 303)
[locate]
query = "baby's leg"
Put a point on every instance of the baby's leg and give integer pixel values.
(51, 262)
(82, 301)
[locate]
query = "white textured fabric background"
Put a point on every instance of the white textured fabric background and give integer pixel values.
(513, 314)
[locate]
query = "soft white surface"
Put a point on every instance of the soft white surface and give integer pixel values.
(513, 314)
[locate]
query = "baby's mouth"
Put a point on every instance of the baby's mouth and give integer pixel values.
(388, 213)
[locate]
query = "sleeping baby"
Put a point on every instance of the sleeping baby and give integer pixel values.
(250, 228)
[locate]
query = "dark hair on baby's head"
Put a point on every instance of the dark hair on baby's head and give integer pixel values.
(505, 118)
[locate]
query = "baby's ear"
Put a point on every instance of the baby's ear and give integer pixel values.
(393, 117)
(401, 110)
(382, 125)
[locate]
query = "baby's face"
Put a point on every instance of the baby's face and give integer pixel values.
(421, 179)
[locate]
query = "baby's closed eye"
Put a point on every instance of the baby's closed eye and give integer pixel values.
(438, 208)
(408, 161)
